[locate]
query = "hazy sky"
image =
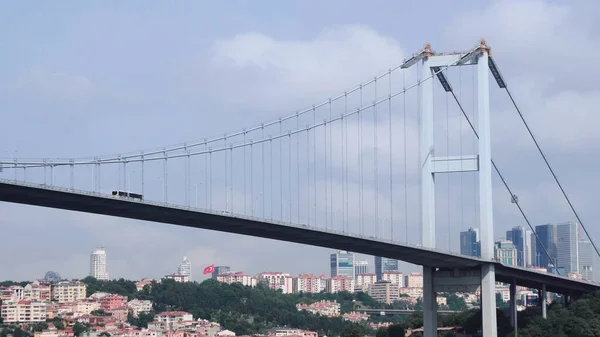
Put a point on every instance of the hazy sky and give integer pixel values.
(80, 80)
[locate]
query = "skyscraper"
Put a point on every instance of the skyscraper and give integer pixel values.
(220, 270)
(185, 268)
(567, 255)
(535, 260)
(469, 243)
(528, 248)
(586, 259)
(547, 235)
(360, 267)
(98, 264)
(342, 264)
(515, 235)
(384, 264)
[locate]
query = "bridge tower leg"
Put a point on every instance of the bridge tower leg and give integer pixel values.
(427, 193)
(486, 218)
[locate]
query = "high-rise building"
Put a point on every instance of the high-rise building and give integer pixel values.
(515, 235)
(342, 264)
(535, 260)
(469, 243)
(527, 248)
(360, 267)
(384, 264)
(185, 268)
(98, 264)
(567, 255)
(219, 270)
(586, 259)
(547, 243)
(506, 252)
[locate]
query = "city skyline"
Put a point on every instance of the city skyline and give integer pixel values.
(79, 93)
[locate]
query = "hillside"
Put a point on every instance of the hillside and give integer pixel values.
(238, 308)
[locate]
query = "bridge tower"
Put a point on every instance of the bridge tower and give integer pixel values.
(435, 279)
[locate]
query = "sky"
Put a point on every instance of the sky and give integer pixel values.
(90, 79)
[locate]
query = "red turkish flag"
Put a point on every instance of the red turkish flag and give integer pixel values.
(323, 275)
(209, 269)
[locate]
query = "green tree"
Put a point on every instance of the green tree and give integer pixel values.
(382, 332)
(58, 323)
(39, 326)
(79, 329)
(456, 303)
(395, 330)
(352, 330)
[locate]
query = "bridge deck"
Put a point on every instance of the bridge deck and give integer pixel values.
(88, 202)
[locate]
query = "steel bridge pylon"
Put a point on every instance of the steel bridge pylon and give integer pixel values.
(434, 280)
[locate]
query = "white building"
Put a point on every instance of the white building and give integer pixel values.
(185, 268)
(340, 283)
(395, 277)
(68, 291)
(307, 283)
(384, 292)
(413, 280)
(98, 264)
(567, 255)
(277, 281)
(237, 277)
(363, 281)
(23, 311)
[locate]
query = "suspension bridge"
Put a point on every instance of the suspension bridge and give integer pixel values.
(361, 171)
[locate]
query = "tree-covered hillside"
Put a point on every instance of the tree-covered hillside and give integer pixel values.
(244, 310)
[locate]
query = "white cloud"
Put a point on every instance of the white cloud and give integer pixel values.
(56, 85)
(262, 73)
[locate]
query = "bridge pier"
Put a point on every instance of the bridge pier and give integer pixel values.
(513, 305)
(429, 303)
(542, 299)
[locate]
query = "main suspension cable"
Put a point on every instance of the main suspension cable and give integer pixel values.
(537, 145)
(506, 184)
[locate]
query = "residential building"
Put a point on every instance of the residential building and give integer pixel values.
(170, 320)
(469, 243)
(384, 264)
(109, 302)
(277, 281)
(185, 268)
(98, 268)
(363, 281)
(139, 306)
(220, 270)
(413, 280)
(384, 292)
(38, 291)
(237, 277)
(340, 283)
(68, 291)
(323, 308)
(395, 277)
(516, 236)
(360, 267)
(178, 278)
(23, 311)
(567, 255)
(546, 246)
(283, 332)
(505, 252)
(306, 283)
(342, 264)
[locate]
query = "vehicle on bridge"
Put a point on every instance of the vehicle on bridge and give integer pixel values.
(127, 195)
